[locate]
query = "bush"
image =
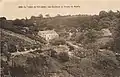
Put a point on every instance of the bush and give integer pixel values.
(21, 49)
(12, 48)
(58, 41)
(91, 36)
(79, 37)
(19, 22)
(63, 56)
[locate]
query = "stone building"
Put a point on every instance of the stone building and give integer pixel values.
(106, 33)
(48, 34)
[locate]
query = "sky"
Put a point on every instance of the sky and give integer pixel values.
(10, 10)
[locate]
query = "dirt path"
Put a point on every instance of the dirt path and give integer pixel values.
(24, 52)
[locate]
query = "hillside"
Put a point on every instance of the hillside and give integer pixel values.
(18, 36)
(88, 46)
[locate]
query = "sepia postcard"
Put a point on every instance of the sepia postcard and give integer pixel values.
(60, 38)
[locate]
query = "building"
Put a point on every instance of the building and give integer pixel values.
(48, 34)
(106, 33)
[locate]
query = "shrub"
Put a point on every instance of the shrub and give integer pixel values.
(21, 49)
(91, 36)
(12, 48)
(19, 22)
(63, 56)
(58, 41)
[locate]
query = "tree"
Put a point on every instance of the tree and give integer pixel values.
(117, 38)
(5, 49)
(111, 13)
(91, 36)
(104, 23)
(40, 16)
(47, 15)
(12, 48)
(103, 14)
(117, 14)
(63, 56)
(3, 18)
(3, 22)
(32, 17)
(58, 15)
(93, 24)
(19, 22)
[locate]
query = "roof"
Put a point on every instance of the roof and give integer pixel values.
(106, 32)
(47, 32)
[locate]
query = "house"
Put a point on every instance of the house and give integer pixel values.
(48, 34)
(106, 33)
(106, 41)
